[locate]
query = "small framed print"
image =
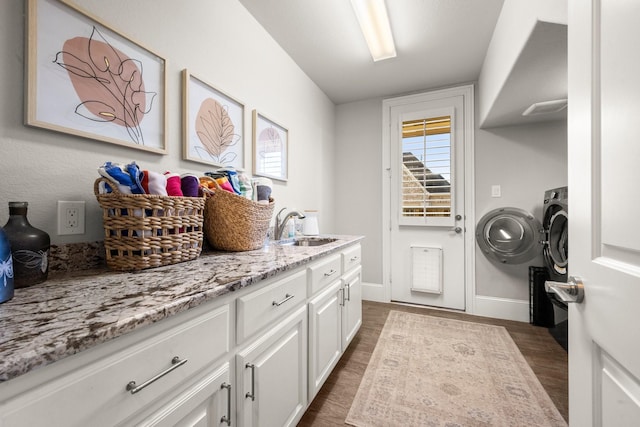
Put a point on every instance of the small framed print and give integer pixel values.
(213, 124)
(270, 148)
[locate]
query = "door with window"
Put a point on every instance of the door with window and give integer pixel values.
(427, 200)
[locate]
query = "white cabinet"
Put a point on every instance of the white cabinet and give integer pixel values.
(105, 388)
(335, 312)
(352, 305)
(205, 403)
(325, 335)
(272, 375)
(252, 358)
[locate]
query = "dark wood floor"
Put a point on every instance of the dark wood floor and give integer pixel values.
(330, 407)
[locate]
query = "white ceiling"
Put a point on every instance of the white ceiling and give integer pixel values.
(439, 43)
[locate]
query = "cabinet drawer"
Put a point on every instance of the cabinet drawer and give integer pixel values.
(351, 258)
(263, 306)
(96, 394)
(323, 273)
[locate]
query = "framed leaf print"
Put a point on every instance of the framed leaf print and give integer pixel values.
(270, 148)
(213, 124)
(83, 78)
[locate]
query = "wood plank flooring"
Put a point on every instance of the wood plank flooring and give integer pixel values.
(330, 407)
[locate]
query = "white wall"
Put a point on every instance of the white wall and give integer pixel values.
(525, 161)
(218, 41)
(359, 186)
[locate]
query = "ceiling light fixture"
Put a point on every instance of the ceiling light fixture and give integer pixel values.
(374, 23)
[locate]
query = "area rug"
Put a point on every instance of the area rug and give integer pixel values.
(431, 371)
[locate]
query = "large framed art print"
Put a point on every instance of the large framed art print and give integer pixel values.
(84, 78)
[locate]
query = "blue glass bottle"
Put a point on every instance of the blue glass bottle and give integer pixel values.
(6, 268)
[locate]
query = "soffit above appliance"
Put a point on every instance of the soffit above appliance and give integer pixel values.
(538, 75)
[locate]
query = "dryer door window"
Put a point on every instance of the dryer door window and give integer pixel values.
(558, 241)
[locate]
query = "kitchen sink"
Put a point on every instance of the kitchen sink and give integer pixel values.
(307, 241)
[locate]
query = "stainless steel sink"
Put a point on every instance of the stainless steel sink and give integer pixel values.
(306, 241)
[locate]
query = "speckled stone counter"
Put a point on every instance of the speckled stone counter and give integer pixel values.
(78, 310)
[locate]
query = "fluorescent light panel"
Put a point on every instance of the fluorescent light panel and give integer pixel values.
(374, 23)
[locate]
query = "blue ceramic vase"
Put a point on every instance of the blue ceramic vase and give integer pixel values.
(6, 268)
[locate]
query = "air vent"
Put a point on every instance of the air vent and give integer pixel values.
(546, 107)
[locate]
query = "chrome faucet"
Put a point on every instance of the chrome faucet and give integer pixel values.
(279, 226)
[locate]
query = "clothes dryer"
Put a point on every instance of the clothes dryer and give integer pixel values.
(555, 224)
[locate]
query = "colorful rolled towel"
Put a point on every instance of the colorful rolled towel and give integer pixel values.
(118, 174)
(173, 184)
(154, 183)
(190, 184)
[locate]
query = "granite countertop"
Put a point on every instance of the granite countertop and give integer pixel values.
(66, 315)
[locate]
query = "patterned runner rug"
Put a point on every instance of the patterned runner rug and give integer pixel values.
(430, 371)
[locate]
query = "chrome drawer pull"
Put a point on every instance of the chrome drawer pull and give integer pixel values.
(355, 258)
(227, 418)
(175, 364)
(287, 297)
(348, 287)
(252, 393)
(331, 273)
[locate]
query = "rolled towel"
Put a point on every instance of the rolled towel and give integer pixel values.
(264, 192)
(264, 182)
(173, 184)
(136, 176)
(189, 183)
(154, 183)
(118, 176)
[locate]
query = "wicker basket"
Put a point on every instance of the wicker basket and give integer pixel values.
(144, 231)
(235, 223)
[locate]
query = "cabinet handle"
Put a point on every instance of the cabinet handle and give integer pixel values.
(330, 273)
(348, 287)
(342, 296)
(252, 393)
(175, 364)
(287, 297)
(354, 258)
(227, 418)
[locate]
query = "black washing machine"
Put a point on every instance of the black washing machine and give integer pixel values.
(555, 225)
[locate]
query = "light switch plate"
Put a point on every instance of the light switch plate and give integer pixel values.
(70, 217)
(495, 191)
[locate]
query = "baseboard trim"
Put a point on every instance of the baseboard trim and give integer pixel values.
(374, 292)
(501, 308)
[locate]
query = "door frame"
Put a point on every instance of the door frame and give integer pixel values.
(467, 92)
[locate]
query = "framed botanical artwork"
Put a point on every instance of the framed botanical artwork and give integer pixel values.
(212, 123)
(270, 148)
(84, 78)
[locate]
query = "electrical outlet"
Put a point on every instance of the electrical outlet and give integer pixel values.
(70, 217)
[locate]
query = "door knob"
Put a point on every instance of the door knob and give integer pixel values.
(458, 230)
(572, 291)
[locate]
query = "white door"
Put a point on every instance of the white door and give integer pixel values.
(604, 201)
(427, 206)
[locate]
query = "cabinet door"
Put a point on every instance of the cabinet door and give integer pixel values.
(325, 335)
(352, 310)
(272, 375)
(206, 403)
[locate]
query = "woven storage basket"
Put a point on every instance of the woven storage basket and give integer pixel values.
(235, 223)
(144, 231)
